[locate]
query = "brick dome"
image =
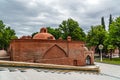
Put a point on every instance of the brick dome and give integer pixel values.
(44, 35)
(3, 53)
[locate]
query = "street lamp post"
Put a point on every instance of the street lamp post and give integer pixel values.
(100, 48)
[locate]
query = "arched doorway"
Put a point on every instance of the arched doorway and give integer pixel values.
(88, 60)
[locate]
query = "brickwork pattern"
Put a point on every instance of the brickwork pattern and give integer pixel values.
(50, 51)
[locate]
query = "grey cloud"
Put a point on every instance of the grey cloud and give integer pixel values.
(27, 16)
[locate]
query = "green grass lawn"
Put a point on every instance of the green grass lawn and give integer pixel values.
(107, 60)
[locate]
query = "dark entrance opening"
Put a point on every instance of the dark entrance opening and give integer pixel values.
(88, 60)
(75, 62)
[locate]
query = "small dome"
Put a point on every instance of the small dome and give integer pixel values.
(86, 49)
(44, 35)
(25, 37)
(3, 53)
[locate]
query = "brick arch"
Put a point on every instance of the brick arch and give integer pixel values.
(54, 52)
(88, 60)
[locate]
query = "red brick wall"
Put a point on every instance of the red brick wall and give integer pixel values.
(49, 51)
(60, 61)
(54, 52)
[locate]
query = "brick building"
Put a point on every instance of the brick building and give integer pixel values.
(43, 48)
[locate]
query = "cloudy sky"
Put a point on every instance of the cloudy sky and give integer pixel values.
(27, 16)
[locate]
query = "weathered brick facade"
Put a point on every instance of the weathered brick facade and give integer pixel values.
(43, 48)
(50, 51)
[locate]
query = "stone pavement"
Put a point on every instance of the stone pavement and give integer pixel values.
(49, 66)
(108, 72)
(112, 71)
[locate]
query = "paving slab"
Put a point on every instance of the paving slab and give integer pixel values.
(50, 66)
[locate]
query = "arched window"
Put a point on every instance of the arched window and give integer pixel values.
(45, 31)
(88, 60)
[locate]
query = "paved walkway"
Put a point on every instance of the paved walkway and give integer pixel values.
(49, 66)
(108, 72)
(112, 71)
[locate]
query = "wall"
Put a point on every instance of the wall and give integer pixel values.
(49, 51)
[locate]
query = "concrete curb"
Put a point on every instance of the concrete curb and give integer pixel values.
(49, 66)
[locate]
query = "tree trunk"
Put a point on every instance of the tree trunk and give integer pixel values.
(111, 54)
(119, 52)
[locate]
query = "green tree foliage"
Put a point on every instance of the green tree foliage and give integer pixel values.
(96, 36)
(6, 34)
(34, 34)
(114, 33)
(55, 32)
(103, 22)
(108, 42)
(71, 28)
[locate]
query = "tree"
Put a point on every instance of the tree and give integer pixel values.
(34, 34)
(95, 36)
(6, 34)
(111, 48)
(114, 33)
(71, 28)
(103, 22)
(110, 20)
(55, 32)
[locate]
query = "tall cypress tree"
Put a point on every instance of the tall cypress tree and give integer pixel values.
(110, 20)
(103, 22)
